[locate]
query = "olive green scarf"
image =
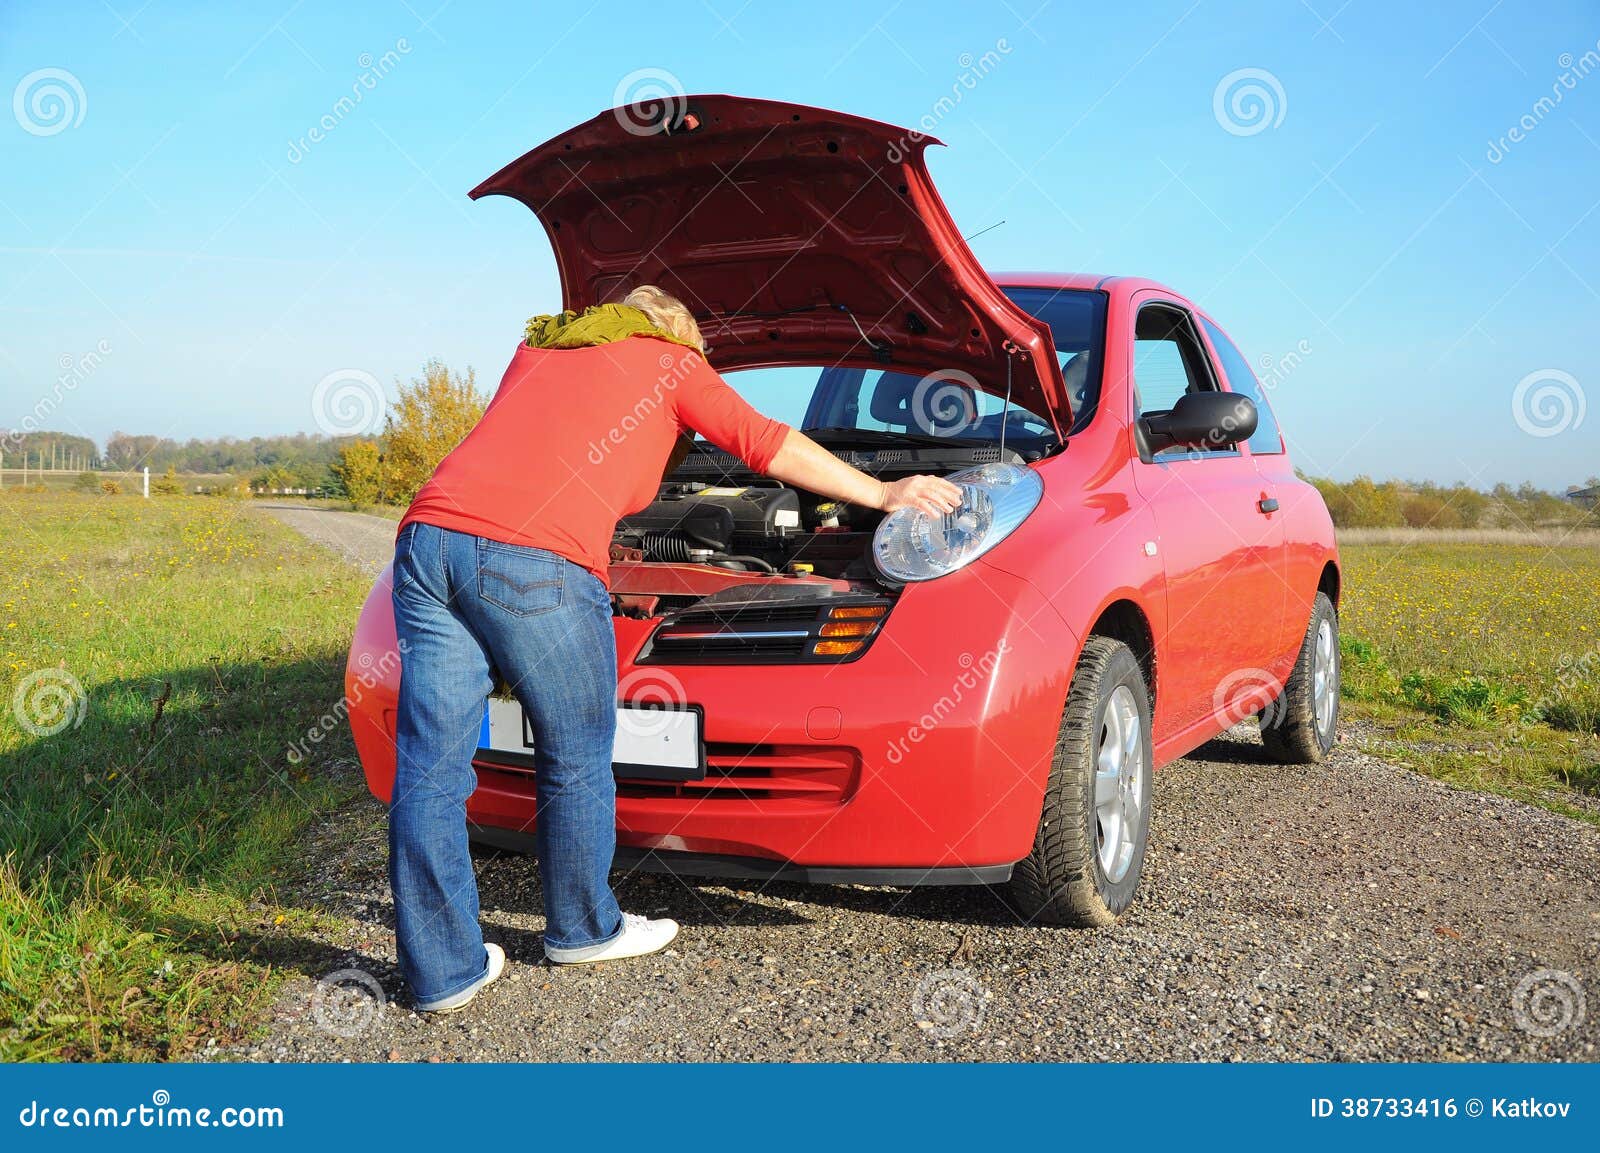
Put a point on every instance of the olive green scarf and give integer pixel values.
(601, 324)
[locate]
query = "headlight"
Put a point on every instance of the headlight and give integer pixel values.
(995, 498)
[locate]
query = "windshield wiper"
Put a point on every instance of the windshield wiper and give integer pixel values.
(879, 436)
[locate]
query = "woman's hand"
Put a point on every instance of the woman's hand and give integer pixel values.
(930, 494)
(805, 464)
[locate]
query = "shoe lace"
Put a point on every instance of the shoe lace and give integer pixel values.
(634, 921)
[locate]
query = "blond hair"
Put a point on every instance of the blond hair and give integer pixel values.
(666, 312)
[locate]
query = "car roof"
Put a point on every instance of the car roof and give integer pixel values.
(1079, 281)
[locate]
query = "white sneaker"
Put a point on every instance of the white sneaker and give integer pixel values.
(497, 965)
(640, 937)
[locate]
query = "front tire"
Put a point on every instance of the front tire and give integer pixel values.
(1298, 728)
(1090, 846)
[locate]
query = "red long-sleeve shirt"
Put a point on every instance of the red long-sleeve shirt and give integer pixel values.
(576, 439)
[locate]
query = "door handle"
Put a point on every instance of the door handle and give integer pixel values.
(1268, 504)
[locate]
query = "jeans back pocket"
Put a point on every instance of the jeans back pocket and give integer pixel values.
(523, 581)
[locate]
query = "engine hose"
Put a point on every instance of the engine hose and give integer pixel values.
(723, 557)
(666, 546)
(673, 548)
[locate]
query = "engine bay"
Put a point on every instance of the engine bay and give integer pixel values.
(715, 524)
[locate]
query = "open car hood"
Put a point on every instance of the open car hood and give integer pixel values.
(783, 228)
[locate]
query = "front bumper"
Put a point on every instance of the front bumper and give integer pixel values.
(924, 761)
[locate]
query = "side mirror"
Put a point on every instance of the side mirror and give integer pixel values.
(1200, 420)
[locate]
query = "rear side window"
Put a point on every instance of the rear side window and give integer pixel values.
(1268, 440)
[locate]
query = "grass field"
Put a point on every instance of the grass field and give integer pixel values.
(1479, 660)
(185, 644)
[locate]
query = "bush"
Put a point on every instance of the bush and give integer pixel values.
(86, 482)
(111, 487)
(359, 470)
(168, 484)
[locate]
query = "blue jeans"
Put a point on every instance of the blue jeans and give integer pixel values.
(466, 609)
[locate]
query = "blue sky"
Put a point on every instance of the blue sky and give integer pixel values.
(170, 230)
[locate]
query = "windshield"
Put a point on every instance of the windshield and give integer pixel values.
(950, 404)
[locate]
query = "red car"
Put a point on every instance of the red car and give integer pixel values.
(813, 691)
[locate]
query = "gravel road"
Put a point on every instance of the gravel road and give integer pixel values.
(364, 541)
(1349, 911)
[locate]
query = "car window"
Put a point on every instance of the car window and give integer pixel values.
(947, 404)
(1077, 321)
(1168, 361)
(1267, 439)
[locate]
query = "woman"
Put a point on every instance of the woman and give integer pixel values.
(500, 571)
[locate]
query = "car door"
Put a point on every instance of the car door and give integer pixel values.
(1278, 483)
(1216, 535)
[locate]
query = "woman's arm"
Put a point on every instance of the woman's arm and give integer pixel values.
(804, 463)
(704, 401)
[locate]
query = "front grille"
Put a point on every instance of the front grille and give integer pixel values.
(764, 633)
(786, 776)
(792, 775)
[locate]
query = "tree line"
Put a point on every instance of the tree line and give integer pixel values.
(436, 410)
(1365, 503)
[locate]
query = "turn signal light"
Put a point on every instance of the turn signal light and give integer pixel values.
(836, 648)
(848, 629)
(857, 612)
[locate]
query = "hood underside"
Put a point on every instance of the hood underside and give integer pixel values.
(795, 234)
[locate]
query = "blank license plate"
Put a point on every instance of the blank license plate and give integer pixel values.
(658, 744)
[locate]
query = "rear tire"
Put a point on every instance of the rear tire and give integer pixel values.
(1090, 845)
(1299, 727)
